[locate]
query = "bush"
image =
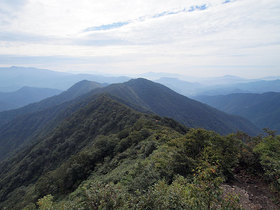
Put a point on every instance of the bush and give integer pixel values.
(46, 203)
(269, 154)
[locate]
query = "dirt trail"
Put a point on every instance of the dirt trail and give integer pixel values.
(254, 193)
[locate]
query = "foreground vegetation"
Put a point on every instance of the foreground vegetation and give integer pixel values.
(108, 156)
(173, 171)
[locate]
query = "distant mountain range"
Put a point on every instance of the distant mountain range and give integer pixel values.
(226, 79)
(14, 78)
(260, 86)
(18, 127)
(24, 96)
(76, 145)
(180, 86)
(261, 109)
(220, 86)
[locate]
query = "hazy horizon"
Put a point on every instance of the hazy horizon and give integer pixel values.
(194, 38)
(149, 74)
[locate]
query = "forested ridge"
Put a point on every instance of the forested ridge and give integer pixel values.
(162, 101)
(107, 149)
(108, 156)
(21, 126)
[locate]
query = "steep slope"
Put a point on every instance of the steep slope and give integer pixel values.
(94, 122)
(163, 101)
(25, 96)
(22, 125)
(261, 109)
(140, 94)
(108, 156)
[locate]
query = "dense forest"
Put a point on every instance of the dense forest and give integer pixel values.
(139, 105)
(21, 126)
(108, 156)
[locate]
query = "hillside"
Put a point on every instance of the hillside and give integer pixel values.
(22, 125)
(108, 156)
(102, 116)
(261, 109)
(161, 100)
(24, 96)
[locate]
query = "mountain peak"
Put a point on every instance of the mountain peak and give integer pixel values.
(84, 86)
(143, 82)
(163, 101)
(83, 83)
(140, 79)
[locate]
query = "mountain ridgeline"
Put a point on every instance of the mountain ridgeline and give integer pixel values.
(221, 85)
(18, 127)
(94, 147)
(29, 122)
(261, 109)
(161, 100)
(106, 155)
(76, 90)
(92, 126)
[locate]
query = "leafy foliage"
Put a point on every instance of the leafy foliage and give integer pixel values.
(268, 150)
(21, 126)
(108, 156)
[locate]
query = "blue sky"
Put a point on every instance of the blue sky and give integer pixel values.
(190, 37)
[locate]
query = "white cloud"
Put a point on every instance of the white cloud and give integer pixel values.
(239, 33)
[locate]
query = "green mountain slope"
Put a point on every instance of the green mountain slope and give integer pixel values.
(163, 101)
(109, 156)
(22, 125)
(143, 95)
(261, 109)
(102, 116)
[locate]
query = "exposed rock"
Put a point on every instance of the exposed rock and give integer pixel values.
(253, 192)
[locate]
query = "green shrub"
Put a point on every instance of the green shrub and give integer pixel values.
(269, 153)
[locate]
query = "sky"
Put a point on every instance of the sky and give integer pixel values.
(199, 38)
